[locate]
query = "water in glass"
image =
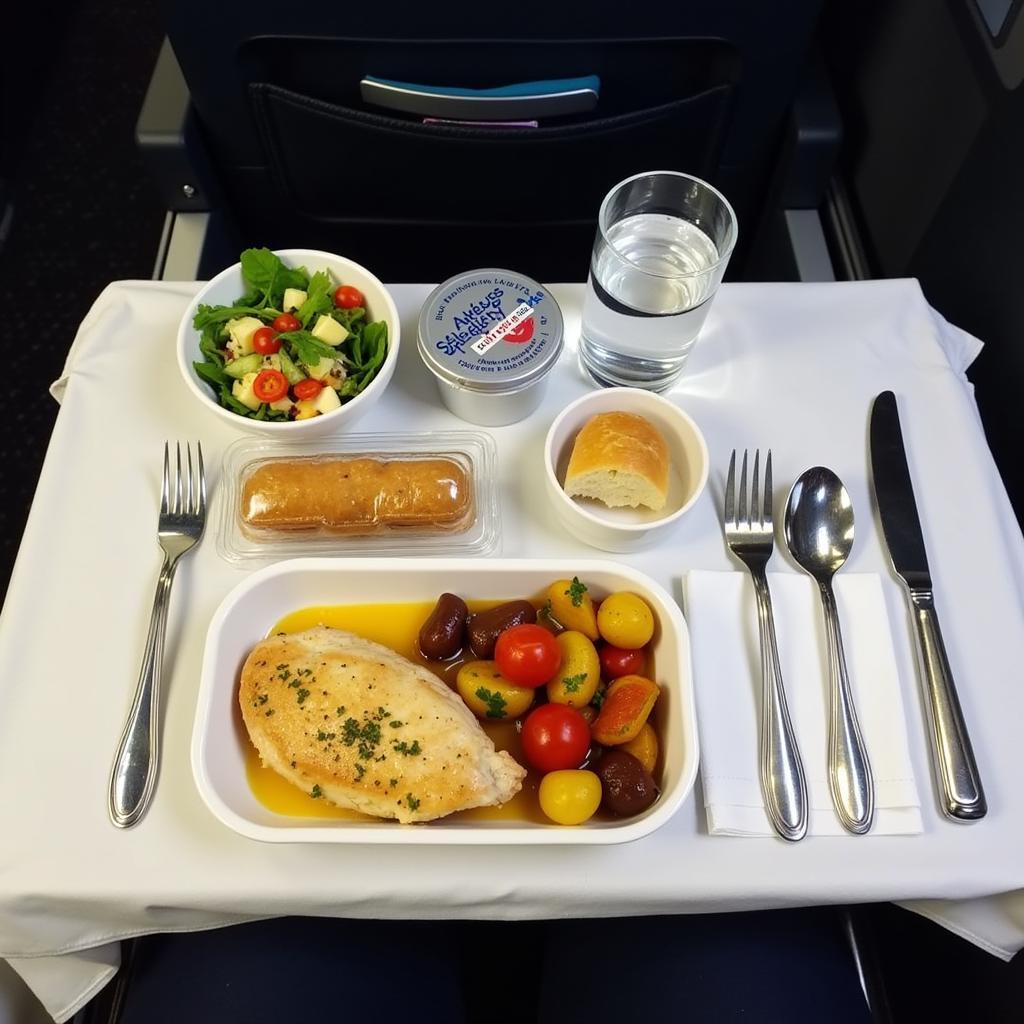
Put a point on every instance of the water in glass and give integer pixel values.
(647, 297)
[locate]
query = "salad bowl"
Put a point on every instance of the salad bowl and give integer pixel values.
(226, 289)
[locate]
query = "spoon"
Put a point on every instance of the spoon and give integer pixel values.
(819, 532)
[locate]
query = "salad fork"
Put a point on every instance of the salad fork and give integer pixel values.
(749, 535)
(181, 522)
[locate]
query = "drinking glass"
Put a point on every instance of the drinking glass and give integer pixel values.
(663, 242)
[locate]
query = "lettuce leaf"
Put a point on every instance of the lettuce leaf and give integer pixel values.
(207, 315)
(266, 274)
(308, 350)
(318, 298)
(212, 374)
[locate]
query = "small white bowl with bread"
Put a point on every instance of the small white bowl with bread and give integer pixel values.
(224, 290)
(622, 466)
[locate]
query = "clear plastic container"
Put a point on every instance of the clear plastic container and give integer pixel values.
(359, 494)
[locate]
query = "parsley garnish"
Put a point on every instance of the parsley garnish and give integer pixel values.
(573, 683)
(361, 771)
(340, 711)
(404, 748)
(302, 695)
(392, 783)
(495, 702)
(395, 723)
(321, 735)
(280, 667)
(263, 698)
(412, 802)
(365, 737)
(316, 792)
(576, 591)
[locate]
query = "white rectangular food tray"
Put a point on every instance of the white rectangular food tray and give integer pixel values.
(248, 612)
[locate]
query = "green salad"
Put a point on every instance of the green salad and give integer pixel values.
(294, 346)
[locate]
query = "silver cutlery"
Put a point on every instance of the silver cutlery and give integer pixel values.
(750, 537)
(180, 525)
(962, 796)
(819, 526)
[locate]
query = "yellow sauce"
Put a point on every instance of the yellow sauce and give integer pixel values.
(396, 626)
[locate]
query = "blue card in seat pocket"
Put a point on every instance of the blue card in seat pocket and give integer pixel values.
(521, 101)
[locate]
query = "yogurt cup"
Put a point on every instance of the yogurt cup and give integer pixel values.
(490, 338)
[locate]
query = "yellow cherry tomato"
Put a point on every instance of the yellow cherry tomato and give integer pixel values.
(580, 672)
(644, 746)
(570, 797)
(488, 694)
(624, 620)
(572, 607)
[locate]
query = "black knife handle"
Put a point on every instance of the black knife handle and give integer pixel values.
(962, 797)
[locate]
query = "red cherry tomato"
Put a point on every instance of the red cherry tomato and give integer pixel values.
(618, 661)
(527, 655)
(347, 297)
(555, 737)
(286, 322)
(264, 341)
(270, 385)
(308, 388)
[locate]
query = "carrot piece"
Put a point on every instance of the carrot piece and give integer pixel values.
(627, 704)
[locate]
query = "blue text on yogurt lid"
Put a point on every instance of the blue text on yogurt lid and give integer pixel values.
(491, 328)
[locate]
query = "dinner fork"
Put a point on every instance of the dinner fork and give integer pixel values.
(749, 535)
(181, 522)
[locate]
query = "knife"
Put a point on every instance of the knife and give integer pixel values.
(956, 772)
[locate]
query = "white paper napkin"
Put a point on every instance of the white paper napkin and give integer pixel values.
(727, 676)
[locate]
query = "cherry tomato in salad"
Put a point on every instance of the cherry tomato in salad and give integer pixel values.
(527, 655)
(347, 297)
(270, 385)
(620, 661)
(308, 388)
(555, 737)
(286, 322)
(264, 341)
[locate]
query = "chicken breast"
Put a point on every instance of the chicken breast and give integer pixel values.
(351, 722)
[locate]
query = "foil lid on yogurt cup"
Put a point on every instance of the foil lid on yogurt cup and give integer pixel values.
(490, 331)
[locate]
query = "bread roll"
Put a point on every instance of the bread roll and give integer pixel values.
(356, 496)
(620, 459)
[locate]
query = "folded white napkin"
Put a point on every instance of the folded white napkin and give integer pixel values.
(727, 676)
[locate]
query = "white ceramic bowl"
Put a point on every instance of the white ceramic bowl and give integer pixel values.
(626, 529)
(247, 614)
(228, 285)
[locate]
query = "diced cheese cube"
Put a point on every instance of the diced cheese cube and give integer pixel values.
(282, 405)
(293, 298)
(327, 401)
(328, 329)
(240, 331)
(320, 370)
(242, 390)
(306, 409)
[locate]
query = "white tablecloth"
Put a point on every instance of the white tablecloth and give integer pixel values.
(791, 367)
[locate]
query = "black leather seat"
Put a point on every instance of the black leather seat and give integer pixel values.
(299, 159)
